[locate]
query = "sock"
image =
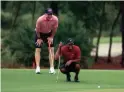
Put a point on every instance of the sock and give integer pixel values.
(38, 67)
(52, 68)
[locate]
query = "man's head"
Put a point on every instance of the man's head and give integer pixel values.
(70, 43)
(49, 13)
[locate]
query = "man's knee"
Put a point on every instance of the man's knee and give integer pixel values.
(37, 50)
(77, 66)
(63, 70)
(52, 49)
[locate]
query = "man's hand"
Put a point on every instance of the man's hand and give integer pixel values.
(68, 63)
(39, 42)
(50, 40)
(60, 44)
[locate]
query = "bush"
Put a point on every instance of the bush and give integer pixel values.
(20, 43)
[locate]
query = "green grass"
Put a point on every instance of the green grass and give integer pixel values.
(25, 80)
(106, 40)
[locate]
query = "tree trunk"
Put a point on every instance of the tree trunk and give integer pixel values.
(100, 32)
(111, 36)
(122, 61)
(122, 30)
(3, 4)
(33, 13)
(54, 6)
(16, 14)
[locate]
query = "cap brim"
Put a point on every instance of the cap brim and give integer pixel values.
(70, 43)
(49, 13)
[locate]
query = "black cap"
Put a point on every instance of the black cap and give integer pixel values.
(49, 11)
(70, 41)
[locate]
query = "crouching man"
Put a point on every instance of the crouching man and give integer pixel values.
(71, 55)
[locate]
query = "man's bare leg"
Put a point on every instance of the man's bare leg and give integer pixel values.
(51, 59)
(37, 59)
(77, 70)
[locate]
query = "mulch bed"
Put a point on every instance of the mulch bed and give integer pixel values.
(102, 63)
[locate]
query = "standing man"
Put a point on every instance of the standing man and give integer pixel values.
(72, 56)
(46, 27)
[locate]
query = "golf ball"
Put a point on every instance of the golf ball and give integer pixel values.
(98, 86)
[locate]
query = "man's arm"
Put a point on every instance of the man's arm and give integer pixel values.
(38, 27)
(55, 26)
(58, 52)
(78, 56)
(53, 32)
(38, 35)
(76, 60)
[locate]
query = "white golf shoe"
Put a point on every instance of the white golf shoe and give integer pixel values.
(37, 70)
(52, 71)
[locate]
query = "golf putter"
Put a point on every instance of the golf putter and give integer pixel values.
(57, 77)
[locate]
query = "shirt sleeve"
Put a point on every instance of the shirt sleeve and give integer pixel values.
(38, 25)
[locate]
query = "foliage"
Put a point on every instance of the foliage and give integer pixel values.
(78, 20)
(20, 44)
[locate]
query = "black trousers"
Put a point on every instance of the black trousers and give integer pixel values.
(70, 68)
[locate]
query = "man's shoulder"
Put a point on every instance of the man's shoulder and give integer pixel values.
(42, 17)
(55, 17)
(76, 47)
(63, 47)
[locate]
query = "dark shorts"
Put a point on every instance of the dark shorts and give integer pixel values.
(70, 68)
(44, 38)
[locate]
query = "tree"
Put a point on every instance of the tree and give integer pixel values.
(111, 35)
(78, 20)
(122, 30)
(33, 12)
(3, 5)
(18, 7)
(54, 6)
(100, 30)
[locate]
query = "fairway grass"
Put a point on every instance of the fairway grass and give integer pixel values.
(107, 39)
(25, 80)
